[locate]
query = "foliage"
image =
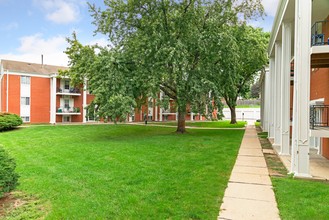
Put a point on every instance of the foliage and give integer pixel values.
(8, 177)
(244, 57)
(158, 45)
(255, 90)
(9, 121)
(124, 171)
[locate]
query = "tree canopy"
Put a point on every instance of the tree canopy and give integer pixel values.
(184, 48)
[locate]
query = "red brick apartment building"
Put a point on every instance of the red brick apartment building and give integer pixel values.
(38, 95)
(295, 89)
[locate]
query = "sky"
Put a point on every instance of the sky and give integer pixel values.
(29, 28)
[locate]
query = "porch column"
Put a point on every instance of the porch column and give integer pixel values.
(84, 102)
(262, 103)
(277, 94)
(285, 89)
(191, 116)
(53, 88)
(160, 112)
(300, 156)
(267, 98)
(272, 98)
(155, 110)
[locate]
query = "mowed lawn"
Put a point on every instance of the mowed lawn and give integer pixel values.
(207, 124)
(124, 171)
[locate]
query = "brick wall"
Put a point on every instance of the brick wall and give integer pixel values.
(320, 89)
(40, 100)
(14, 94)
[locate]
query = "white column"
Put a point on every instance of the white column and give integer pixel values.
(84, 102)
(53, 88)
(7, 93)
(160, 112)
(285, 89)
(267, 100)
(277, 94)
(272, 97)
(156, 110)
(262, 103)
(191, 116)
(300, 157)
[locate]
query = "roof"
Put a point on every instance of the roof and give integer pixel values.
(25, 67)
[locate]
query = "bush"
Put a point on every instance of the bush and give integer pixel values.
(9, 121)
(8, 177)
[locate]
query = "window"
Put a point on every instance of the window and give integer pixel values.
(25, 119)
(66, 103)
(66, 118)
(25, 80)
(67, 84)
(25, 100)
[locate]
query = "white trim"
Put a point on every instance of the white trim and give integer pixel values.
(84, 102)
(317, 101)
(7, 98)
(42, 75)
(67, 93)
(320, 49)
(282, 7)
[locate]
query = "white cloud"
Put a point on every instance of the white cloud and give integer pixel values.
(9, 27)
(60, 11)
(270, 7)
(31, 48)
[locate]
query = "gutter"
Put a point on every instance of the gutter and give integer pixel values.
(282, 7)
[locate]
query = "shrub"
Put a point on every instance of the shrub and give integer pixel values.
(9, 121)
(8, 177)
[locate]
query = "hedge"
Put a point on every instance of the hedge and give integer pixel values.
(9, 121)
(8, 177)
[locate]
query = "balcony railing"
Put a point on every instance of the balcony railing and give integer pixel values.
(71, 90)
(320, 33)
(66, 109)
(319, 116)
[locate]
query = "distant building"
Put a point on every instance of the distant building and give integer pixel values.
(37, 94)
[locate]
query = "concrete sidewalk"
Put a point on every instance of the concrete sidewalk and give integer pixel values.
(249, 194)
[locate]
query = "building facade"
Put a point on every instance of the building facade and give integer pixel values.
(37, 94)
(295, 88)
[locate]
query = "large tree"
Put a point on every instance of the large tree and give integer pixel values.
(244, 57)
(166, 45)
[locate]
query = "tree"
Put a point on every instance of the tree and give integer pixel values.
(243, 59)
(158, 45)
(255, 90)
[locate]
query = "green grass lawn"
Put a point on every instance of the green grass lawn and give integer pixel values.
(296, 198)
(301, 199)
(206, 124)
(123, 171)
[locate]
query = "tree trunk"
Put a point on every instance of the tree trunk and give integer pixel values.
(181, 122)
(233, 115)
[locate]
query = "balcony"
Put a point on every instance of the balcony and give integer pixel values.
(319, 120)
(71, 91)
(320, 33)
(319, 44)
(66, 110)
